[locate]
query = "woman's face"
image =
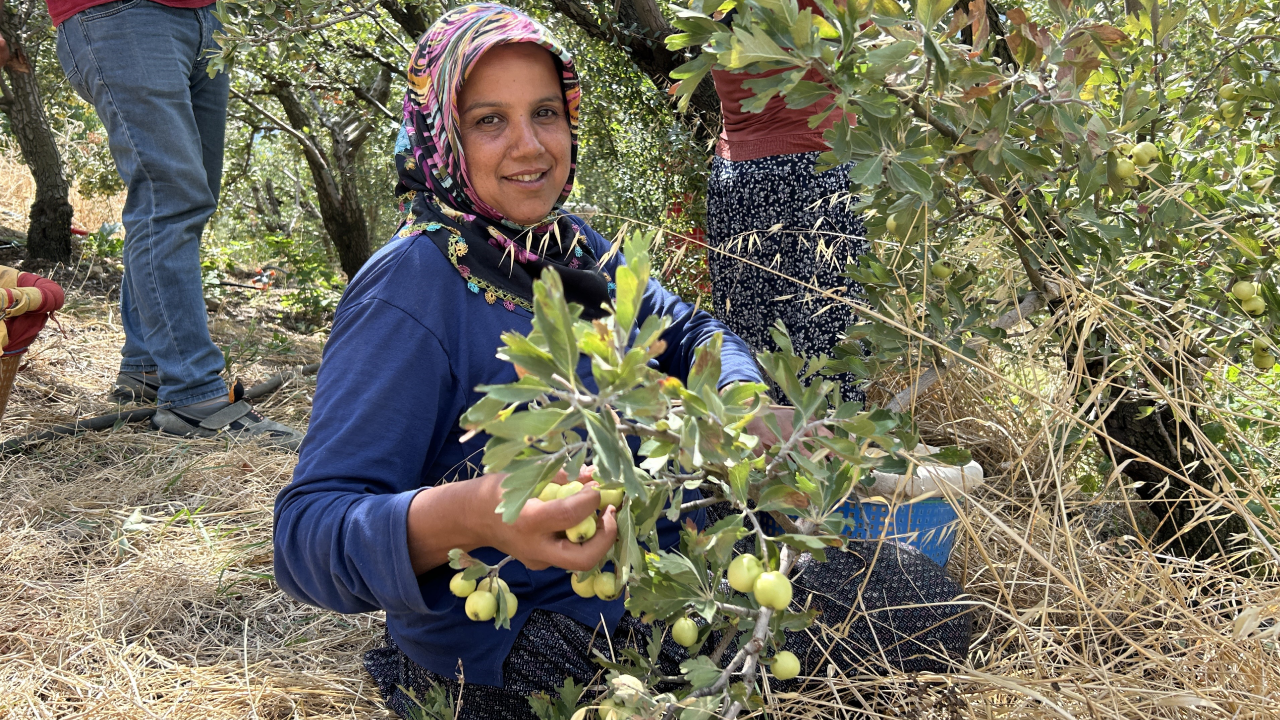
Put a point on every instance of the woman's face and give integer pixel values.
(514, 131)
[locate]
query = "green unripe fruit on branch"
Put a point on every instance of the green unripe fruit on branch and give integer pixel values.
(488, 584)
(1254, 305)
(891, 225)
(461, 586)
(585, 588)
(1230, 91)
(941, 270)
(785, 665)
(1261, 344)
(743, 572)
(1125, 168)
(606, 586)
(611, 497)
(569, 489)
(1243, 290)
(512, 603)
(583, 531)
(1145, 153)
(481, 605)
(772, 589)
(685, 632)
(1264, 360)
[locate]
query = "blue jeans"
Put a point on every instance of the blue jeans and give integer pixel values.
(143, 66)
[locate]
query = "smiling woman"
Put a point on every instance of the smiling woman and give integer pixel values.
(386, 485)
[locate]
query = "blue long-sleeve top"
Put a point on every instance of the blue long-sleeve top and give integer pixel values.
(409, 346)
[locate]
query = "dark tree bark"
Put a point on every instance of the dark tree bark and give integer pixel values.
(1161, 438)
(333, 167)
(641, 31)
(49, 229)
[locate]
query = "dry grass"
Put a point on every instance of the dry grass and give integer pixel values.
(136, 568)
(17, 189)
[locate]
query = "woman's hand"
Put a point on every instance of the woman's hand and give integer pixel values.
(460, 515)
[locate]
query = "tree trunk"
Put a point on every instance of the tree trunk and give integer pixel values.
(648, 51)
(1162, 438)
(49, 230)
(334, 177)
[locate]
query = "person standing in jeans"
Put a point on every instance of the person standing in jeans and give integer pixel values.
(144, 66)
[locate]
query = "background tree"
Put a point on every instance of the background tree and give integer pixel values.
(25, 26)
(1124, 160)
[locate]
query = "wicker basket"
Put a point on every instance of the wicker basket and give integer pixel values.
(8, 371)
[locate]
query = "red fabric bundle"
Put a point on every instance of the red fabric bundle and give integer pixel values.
(23, 328)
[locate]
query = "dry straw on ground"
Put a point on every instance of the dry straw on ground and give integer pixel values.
(136, 569)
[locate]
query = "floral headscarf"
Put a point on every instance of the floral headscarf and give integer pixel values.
(495, 256)
(437, 69)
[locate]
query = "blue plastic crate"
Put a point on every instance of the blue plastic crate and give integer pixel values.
(928, 525)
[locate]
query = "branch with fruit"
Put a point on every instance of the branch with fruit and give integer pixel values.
(691, 438)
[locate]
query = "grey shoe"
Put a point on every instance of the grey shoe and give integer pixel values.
(135, 387)
(237, 419)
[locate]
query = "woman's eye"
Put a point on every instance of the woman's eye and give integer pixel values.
(545, 113)
(488, 120)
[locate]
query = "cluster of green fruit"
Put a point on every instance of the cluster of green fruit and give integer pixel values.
(482, 596)
(770, 588)
(586, 529)
(1247, 293)
(603, 585)
(1231, 109)
(1133, 157)
(1264, 357)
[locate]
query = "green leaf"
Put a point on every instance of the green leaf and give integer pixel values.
(908, 177)
(868, 173)
(755, 47)
(552, 319)
(805, 93)
(952, 455)
(700, 671)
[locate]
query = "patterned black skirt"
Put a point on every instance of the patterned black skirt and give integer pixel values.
(882, 606)
(772, 222)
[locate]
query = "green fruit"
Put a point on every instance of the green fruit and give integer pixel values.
(772, 589)
(891, 225)
(685, 632)
(585, 588)
(583, 531)
(512, 603)
(1145, 153)
(1243, 290)
(627, 689)
(487, 585)
(1254, 305)
(611, 497)
(1264, 360)
(481, 605)
(743, 572)
(1125, 168)
(461, 586)
(549, 493)
(785, 665)
(606, 586)
(1230, 108)
(941, 270)
(1261, 344)
(570, 489)
(1230, 91)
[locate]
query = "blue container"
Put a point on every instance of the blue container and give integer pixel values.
(928, 525)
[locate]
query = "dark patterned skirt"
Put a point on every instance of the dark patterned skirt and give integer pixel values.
(883, 606)
(771, 222)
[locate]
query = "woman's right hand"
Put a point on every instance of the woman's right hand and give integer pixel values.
(461, 515)
(537, 539)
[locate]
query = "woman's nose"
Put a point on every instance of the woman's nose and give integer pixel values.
(524, 141)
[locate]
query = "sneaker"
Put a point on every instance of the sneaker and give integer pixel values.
(135, 387)
(234, 416)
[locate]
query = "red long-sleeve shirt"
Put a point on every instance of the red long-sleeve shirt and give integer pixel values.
(60, 10)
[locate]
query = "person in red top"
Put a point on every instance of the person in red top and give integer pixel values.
(143, 65)
(772, 220)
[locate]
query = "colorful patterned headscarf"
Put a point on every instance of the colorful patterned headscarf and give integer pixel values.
(437, 69)
(497, 258)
